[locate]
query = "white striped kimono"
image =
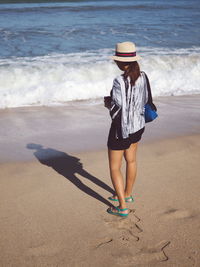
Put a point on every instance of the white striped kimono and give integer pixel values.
(128, 102)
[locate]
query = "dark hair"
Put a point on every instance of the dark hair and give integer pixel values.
(133, 71)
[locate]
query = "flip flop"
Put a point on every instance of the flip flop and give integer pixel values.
(127, 199)
(109, 210)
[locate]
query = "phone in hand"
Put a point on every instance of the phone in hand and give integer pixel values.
(107, 101)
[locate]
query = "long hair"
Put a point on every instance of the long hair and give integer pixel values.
(133, 71)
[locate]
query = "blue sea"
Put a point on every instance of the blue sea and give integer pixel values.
(55, 52)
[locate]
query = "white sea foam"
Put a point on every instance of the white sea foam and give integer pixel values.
(57, 79)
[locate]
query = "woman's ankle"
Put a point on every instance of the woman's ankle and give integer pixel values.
(127, 194)
(122, 206)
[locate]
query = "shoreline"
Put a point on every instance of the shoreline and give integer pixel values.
(93, 102)
(81, 127)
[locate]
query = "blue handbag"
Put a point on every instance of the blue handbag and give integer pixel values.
(150, 114)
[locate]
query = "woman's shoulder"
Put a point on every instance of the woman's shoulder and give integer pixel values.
(143, 73)
(144, 76)
(117, 80)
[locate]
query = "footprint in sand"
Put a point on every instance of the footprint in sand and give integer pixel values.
(126, 237)
(123, 237)
(146, 255)
(177, 214)
(127, 225)
(103, 241)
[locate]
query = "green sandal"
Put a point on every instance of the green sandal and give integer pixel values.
(127, 199)
(109, 210)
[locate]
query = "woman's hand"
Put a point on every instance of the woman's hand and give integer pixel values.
(107, 102)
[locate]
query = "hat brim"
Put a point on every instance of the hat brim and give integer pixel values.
(126, 59)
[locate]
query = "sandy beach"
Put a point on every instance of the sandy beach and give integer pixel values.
(54, 185)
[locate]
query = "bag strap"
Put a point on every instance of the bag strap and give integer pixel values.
(150, 99)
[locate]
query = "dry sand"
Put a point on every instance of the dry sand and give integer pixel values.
(53, 201)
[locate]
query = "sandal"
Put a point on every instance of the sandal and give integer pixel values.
(118, 213)
(127, 199)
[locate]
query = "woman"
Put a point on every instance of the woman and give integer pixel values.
(129, 94)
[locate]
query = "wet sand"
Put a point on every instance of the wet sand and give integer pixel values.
(54, 185)
(83, 127)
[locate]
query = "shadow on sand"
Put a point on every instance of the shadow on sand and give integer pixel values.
(68, 166)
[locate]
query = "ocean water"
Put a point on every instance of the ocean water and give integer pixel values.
(55, 52)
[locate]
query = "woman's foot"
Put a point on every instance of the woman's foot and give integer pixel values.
(128, 199)
(113, 198)
(123, 212)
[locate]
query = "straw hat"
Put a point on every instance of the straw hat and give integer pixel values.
(125, 52)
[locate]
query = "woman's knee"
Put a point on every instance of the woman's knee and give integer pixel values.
(115, 160)
(130, 160)
(130, 154)
(115, 167)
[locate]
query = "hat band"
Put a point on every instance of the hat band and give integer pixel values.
(133, 54)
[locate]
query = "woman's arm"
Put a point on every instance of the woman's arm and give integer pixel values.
(115, 109)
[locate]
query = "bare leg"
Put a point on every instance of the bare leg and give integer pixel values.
(131, 168)
(115, 161)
